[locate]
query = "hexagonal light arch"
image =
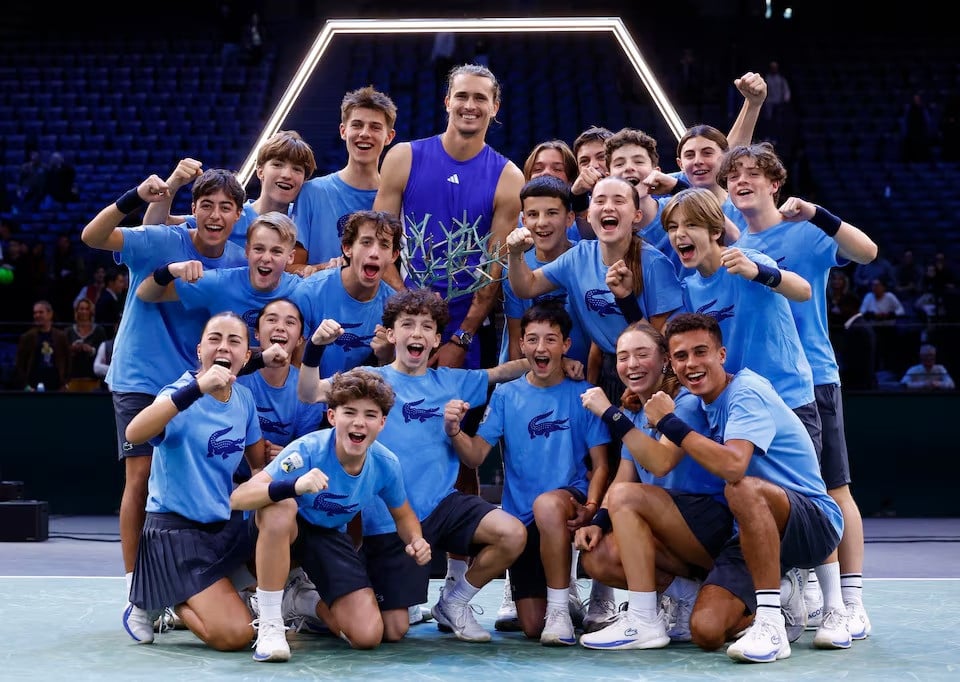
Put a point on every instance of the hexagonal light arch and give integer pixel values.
(336, 27)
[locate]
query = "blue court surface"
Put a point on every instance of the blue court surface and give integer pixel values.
(60, 604)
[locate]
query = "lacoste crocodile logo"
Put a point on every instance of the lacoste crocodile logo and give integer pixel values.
(718, 315)
(268, 425)
(224, 447)
(349, 341)
(596, 300)
(327, 502)
(410, 412)
(538, 426)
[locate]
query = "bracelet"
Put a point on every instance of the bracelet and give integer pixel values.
(602, 520)
(826, 221)
(312, 354)
(589, 502)
(630, 308)
(162, 275)
(767, 276)
(129, 202)
(618, 423)
(283, 489)
(185, 396)
(674, 428)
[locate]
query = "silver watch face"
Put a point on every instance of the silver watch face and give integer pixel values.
(465, 339)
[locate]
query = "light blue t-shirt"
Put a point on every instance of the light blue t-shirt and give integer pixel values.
(414, 431)
(688, 476)
(230, 289)
(805, 249)
(750, 409)
(157, 342)
(758, 328)
(282, 415)
(324, 297)
(547, 436)
(194, 458)
(320, 212)
(582, 273)
(345, 494)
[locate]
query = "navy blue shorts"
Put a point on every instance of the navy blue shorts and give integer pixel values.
(527, 577)
(834, 461)
(330, 560)
(126, 406)
(451, 526)
(810, 416)
(397, 580)
(730, 572)
(708, 519)
(178, 558)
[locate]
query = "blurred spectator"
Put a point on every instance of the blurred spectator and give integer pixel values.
(85, 336)
(778, 92)
(879, 268)
(31, 184)
(882, 308)
(842, 303)
(909, 278)
(110, 303)
(43, 353)
(15, 301)
(917, 128)
(95, 287)
(101, 363)
(60, 186)
(69, 271)
(928, 375)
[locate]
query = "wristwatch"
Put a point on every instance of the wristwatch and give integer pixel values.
(462, 338)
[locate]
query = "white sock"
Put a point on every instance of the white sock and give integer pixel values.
(557, 598)
(643, 605)
(574, 561)
(455, 569)
(269, 602)
(768, 605)
(851, 587)
(129, 578)
(829, 577)
(461, 592)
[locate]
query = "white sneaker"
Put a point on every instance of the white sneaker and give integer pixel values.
(628, 632)
(168, 620)
(507, 620)
(858, 621)
(792, 604)
(271, 644)
(459, 618)
(417, 615)
(813, 599)
(138, 624)
(558, 628)
(575, 605)
(764, 642)
(833, 633)
(600, 613)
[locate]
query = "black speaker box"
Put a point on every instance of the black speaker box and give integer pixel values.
(11, 490)
(24, 521)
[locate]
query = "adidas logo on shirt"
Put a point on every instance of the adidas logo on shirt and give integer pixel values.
(455, 179)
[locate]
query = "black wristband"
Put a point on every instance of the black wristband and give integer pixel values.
(680, 186)
(283, 489)
(602, 520)
(129, 202)
(185, 396)
(580, 202)
(162, 275)
(674, 428)
(826, 221)
(254, 364)
(618, 423)
(312, 354)
(630, 308)
(767, 276)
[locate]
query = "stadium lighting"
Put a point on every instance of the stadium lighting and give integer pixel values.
(335, 27)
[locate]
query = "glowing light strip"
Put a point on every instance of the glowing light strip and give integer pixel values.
(335, 27)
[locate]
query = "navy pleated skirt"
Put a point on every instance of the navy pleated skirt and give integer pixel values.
(179, 558)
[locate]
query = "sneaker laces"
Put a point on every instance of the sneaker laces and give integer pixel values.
(465, 615)
(264, 626)
(555, 616)
(601, 605)
(164, 621)
(833, 619)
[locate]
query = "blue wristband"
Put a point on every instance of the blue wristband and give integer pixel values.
(767, 276)
(129, 202)
(283, 489)
(602, 520)
(679, 187)
(162, 275)
(312, 354)
(618, 423)
(630, 308)
(826, 221)
(674, 428)
(185, 396)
